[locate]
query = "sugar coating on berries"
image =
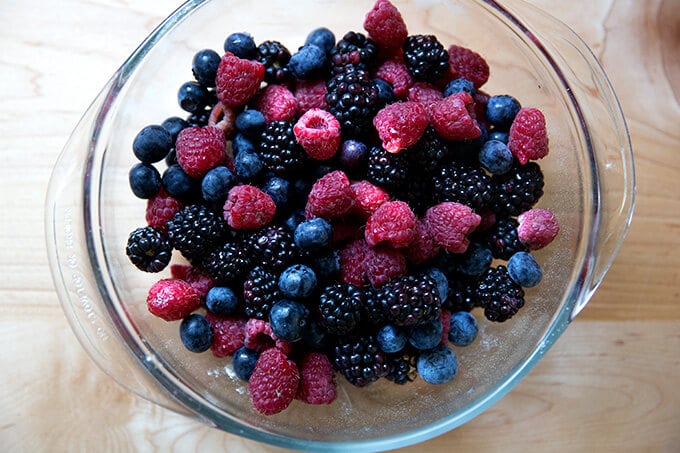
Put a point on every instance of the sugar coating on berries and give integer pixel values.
(385, 25)
(393, 223)
(353, 262)
(317, 379)
(237, 80)
(423, 247)
(383, 264)
(228, 333)
(450, 223)
(368, 198)
(277, 103)
(310, 94)
(396, 73)
(200, 149)
(330, 196)
(454, 119)
(528, 135)
(274, 382)
(260, 337)
(172, 299)
(400, 125)
(161, 208)
(469, 65)
(537, 228)
(318, 132)
(248, 208)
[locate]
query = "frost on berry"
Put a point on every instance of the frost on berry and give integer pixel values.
(453, 117)
(400, 125)
(330, 197)
(537, 228)
(528, 138)
(318, 132)
(392, 223)
(450, 223)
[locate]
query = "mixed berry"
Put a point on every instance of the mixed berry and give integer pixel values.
(341, 209)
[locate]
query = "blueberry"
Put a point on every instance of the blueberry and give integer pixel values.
(463, 328)
(240, 44)
(458, 86)
(501, 110)
(204, 66)
(221, 300)
(171, 158)
(327, 265)
(278, 189)
(177, 183)
(315, 336)
(438, 365)
(192, 97)
(248, 165)
(313, 234)
(216, 184)
(385, 91)
(297, 281)
(308, 62)
(288, 319)
(293, 220)
(195, 333)
(391, 338)
(524, 269)
(174, 125)
(243, 361)
(496, 157)
(476, 260)
(353, 154)
(501, 136)
(323, 38)
(442, 282)
(152, 144)
(426, 336)
(242, 143)
(250, 123)
(145, 181)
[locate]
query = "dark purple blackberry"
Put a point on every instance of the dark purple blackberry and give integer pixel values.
(499, 295)
(417, 191)
(149, 249)
(273, 248)
(195, 230)
(371, 309)
(502, 239)
(360, 359)
(352, 96)
(199, 119)
(387, 170)
(402, 368)
(409, 300)
(429, 153)
(340, 308)
(275, 57)
(353, 49)
(260, 292)
(425, 57)
(517, 190)
(228, 263)
(462, 294)
(464, 184)
(279, 149)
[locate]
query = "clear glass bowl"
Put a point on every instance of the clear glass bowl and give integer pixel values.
(90, 212)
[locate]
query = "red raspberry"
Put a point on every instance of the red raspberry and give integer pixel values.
(172, 299)
(353, 262)
(383, 264)
(423, 247)
(393, 223)
(318, 132)
(397, 74)
(248, 208)
(454, 118)
(368, 198)
(400, 125)
(161, 208)
(276, 103)
(237, 80)
(528, 136)
(425, 94)
(481, 99)
(385, 25)
(537, 228)
(445, 318)
(317, 379)
(330, 197)
(469, 65)
(260, 337)
(274, 382)
(200, 149)
(450, 223)
(223, 117)
(310, 94)
(198, 279)
(228, 333)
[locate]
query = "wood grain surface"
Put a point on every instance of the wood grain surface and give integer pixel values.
(611, 383)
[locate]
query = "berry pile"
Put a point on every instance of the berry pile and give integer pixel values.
(340, 209)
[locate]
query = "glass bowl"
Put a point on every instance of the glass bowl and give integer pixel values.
(90, 212)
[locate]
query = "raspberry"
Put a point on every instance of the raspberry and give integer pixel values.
(528, 136)
(200, 149)
(318, 132)
(453, 117)
(198, 279)
(367, 198)
(172, 299)
(400, 125)
(385, 25)
(393, 222)
(396, 73)
(310, 94)
(469, 65)
(228, 334)
(383, 264)
(423, 247)
(276, 103)
(353, 262)
(537, 228)
(223, 117)
(237, 80)
(160, 209)
(317, 379)
(248, 208)
(425, 94)
(259, 337)
(450, 223)
(330, 197)
(274, 382)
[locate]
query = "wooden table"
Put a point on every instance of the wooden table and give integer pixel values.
(612, 382)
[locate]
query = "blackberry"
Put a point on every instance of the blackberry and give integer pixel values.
(360, 359)
(352, 96)
(195, 230)
(409, 300)
(260, 292)
(425, 57)
(275, 57)
(227, 263)
(464, 184)
(402, 369)
(148, 249)
(273, 247)
(371, 309)
(429, 153)
(502, 239)
(387, 170)
(279, 150)
(499, 295)
(355, 49)
(462, 294)
(340, 308)
(517, 190)
(417, 191)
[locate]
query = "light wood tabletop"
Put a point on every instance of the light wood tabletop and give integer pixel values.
(611, 382)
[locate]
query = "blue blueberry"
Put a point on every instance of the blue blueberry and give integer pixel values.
(476, 260)
(174, 125)
(295, 219)
(458, 86)
(288, 319)
(145, 181)
(242, 143)
(192, 97)
(323, 38)
(353, 154)
(327, 265)
(195, 333)
(221, 300)
(495, 157)
(177, 183)
(297, 281)
(241, 44)
(250, 123)
(438, 365)
(243, 361)
(278, 189)
(501, 110)
(442, 282)
(501, 136)
(313, 234)
(524, 269)
(391, 338)
(463, 328)
(308, 62)
(385, 91)
(204, 66)
(248, 165)
(427, 335)
(216, 184)
(152, 144)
